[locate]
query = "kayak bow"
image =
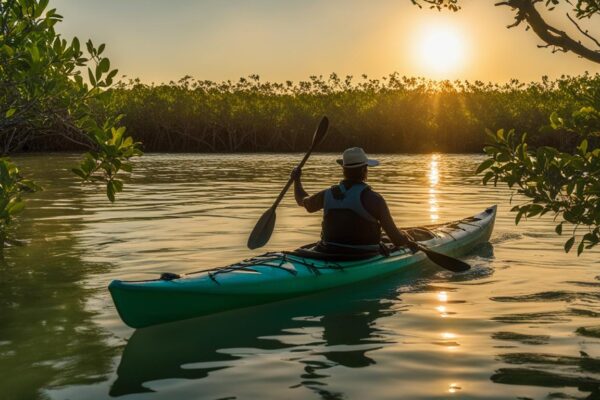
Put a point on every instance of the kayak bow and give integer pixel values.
(280, 275)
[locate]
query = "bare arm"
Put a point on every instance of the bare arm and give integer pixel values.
(389, 227)
(303, 199)
(299, 193)
(377, 207)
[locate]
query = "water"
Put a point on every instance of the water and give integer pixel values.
(522, 324)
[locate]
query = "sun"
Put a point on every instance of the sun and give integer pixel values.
(441, 50)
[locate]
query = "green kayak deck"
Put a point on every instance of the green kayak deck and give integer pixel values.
(280, 275)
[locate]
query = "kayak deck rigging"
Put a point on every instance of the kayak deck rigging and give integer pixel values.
(265, 260)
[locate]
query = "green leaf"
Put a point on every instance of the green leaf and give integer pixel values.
(583, 146)
(580, 248)
(500, 135)
(75, 45)
(27, 185)
(104, 65)
(128, 142)
(35, 53)
(90, 47)
(485, 165)
(16, 207)
(110, 191)
(555, 121)
(91, 77)
(118, 185)
(534, 209)
(558, 229)
(117, 135)
(486, 178)
(570, 187)
(40, 7)
(8, 50)
(569, 244)
(79, 80)
(79, 173)
(590, 237)
(112, 74)
(520, 214)
(10, 112)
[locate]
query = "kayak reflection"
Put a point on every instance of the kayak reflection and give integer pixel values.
(346, 322)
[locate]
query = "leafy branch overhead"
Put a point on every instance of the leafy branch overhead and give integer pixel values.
(50, 89)
(564, 184)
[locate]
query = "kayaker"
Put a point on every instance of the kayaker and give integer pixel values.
(353, 213)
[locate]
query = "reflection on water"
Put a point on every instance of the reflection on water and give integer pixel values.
(48, 337)
(521, 324)
(322, 332)
(434, 179)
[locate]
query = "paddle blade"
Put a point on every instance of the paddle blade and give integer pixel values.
(262, 231)
(444, 261)
(321, 131)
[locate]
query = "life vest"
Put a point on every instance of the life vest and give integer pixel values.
(346, 223)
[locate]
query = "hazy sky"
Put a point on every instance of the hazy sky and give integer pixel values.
(159, 40)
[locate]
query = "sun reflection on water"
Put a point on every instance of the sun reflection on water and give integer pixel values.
(442, 296)
(442, 309)
(434, 179)
(453, 388)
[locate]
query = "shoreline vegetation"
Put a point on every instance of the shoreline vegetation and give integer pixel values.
(393, 114)
(541, 138)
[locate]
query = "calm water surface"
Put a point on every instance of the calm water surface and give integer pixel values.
(523, 324)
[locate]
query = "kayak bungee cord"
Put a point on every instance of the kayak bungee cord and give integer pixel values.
(262, 262)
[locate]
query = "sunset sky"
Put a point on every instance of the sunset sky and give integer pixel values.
(279, 40)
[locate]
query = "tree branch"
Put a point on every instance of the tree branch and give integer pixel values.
(527, 12)
(584, 33)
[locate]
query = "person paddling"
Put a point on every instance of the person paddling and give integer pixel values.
(353, 213)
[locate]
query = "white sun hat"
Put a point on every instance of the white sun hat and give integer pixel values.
(355, 157)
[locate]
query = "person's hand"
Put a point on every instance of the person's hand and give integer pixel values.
(412, 246)
(296, 173)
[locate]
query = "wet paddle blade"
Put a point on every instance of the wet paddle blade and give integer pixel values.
(262, 231)
(444, 261)
(320, 132)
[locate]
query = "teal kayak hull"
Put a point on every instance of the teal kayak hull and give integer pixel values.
(276, 276)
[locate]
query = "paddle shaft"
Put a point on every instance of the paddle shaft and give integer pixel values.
(291, 180)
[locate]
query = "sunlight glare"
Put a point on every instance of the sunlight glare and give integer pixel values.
(441, 49)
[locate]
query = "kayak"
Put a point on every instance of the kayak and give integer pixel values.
(276, 276)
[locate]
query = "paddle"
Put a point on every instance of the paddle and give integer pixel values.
(444, 261)
(264, 227)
